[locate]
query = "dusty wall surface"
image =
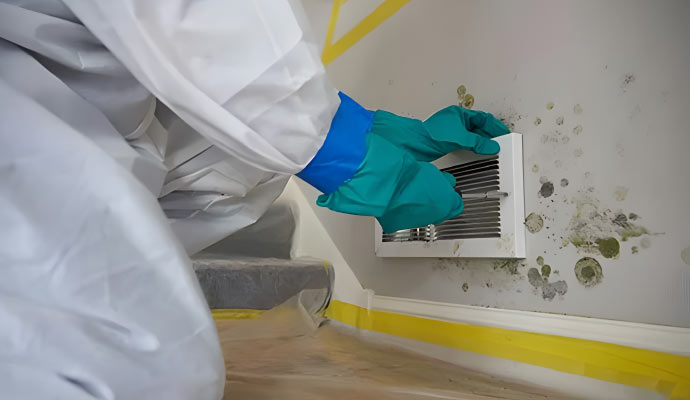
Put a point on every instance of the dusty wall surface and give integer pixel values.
(601, 92)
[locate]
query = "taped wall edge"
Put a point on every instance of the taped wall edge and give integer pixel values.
(665, 373)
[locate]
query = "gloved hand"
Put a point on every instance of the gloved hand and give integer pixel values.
(394, 181)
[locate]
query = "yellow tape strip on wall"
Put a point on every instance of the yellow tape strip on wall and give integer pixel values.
(668, 374)
(331, 50)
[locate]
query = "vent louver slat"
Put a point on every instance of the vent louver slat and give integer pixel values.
(481, 218)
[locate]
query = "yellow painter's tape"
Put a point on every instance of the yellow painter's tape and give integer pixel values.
(227, 313)
(665, 373)
(331, 50)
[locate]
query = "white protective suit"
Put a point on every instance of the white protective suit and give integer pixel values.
(109, 111)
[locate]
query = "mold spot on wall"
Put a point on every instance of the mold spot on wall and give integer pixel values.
(577, 109)
(550, 105)
(609, 247)
(534, 278)
(509, 266)
(537, 121)
(633, 216)
(578, 152)
(588, 272)
(627, 81)
(621, 193)
(546, 189)
(628, 230)
(465, 99)
(465, 287)
(564, 182)
(540, 260)
(548, 290)
(535, 168)
(534, 222)
(468, 101)
(685, 255)
(596, 231)
(577, 129)
(545, 271)
(634, 250)
(554, 137)
(509, 116)
(560, 120)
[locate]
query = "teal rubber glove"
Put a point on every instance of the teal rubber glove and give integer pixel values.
(398, 190)
(450, 129)
(395, 181)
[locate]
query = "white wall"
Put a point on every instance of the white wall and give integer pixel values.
(627, 63)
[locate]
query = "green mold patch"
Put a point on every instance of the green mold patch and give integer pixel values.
(540, 260)
(545, 271)
(468, 101)
(609, 247)
(550, 105)
(577, 109)
(465, 99)
(588, 272)
(600, 231)
(633, 231)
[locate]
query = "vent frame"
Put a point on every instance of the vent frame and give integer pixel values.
(510, 244)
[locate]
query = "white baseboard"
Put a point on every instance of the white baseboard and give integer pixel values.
(661, 338)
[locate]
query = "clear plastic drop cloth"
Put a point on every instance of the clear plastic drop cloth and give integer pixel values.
(291, 354)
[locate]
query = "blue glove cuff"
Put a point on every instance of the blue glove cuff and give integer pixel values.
(343, 150)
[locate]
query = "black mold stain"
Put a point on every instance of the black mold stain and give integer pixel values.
(564, 182)
(546, 189)
(534, 278)
(627, 81)
(550, 290)
(465, 287)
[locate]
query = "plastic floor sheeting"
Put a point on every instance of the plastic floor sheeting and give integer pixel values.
(286, 355)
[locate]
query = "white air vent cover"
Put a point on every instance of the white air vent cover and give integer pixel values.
(490, 226)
